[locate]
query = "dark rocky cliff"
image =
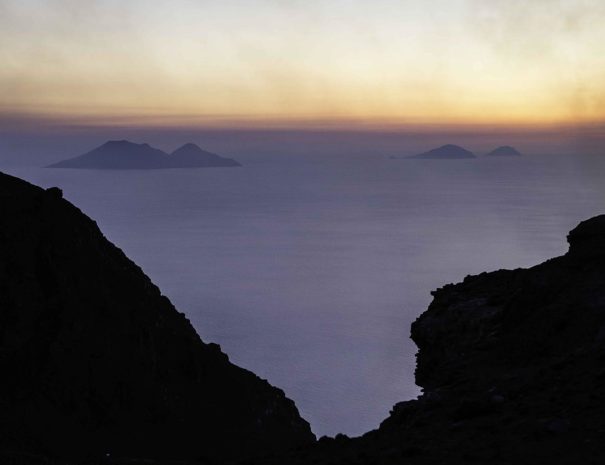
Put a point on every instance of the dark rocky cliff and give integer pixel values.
(95, 361)
(512, 366)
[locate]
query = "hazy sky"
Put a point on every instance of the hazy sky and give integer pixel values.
(406, 61)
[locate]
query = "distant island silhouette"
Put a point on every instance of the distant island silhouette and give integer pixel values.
(504, 151)
(445, 152)
(126, 155)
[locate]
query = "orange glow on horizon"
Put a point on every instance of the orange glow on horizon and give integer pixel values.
(261, 63)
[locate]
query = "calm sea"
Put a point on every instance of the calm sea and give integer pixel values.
(309, 270)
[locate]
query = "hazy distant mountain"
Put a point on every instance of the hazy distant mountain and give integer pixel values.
(446, 152)
(190, 156)
(125, 155)
(504, 151)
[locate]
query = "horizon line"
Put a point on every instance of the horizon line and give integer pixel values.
(21, 122)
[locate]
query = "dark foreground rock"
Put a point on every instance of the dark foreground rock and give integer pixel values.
(512, 366)
(95, 362)
(125, 155)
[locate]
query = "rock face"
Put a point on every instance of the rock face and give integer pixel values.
(588, 238)
(125, 155)
(504, 151)
(512, 366)
(95, 360)
(446, 152)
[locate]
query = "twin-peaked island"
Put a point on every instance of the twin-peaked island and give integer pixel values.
(125, 155)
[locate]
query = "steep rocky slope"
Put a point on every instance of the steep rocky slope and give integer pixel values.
(512, 366)
(95, 362)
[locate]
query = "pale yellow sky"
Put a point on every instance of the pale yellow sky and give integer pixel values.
(386, 61)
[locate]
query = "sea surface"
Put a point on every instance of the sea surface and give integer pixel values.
(309, 270)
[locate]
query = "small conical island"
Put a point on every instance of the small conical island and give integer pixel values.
(504, 151)
(191, 156)
(445, 152)
(126, 155)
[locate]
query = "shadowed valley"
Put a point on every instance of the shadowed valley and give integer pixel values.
(98, 364)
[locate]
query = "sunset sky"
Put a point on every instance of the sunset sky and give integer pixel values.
(385, 61)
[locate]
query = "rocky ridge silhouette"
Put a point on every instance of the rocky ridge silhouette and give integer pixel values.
(511, 364)
(96, 360)
(97, 363)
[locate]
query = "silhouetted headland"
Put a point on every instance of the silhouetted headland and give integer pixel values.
(512, 367)
(504, 151)
(125, 155)
(95, 361)
(445, 152)
(98, 367)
